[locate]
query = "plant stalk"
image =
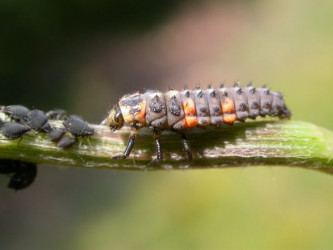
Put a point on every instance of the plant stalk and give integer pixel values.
(269, 143)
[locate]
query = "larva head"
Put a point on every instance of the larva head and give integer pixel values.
(115, 119)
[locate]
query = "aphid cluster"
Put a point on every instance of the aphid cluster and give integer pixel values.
(23, 120)
(180, 110)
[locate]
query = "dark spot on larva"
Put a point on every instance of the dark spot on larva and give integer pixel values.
(187, 94)
(213, 94)
(267, 92)
(204, 121)
(217, 109)
(174, 106)
(242, 106)
(203, 109)
(253, 90)
(239, 91)
(266, 105)
(200, 94)
(131, 101)
(218, 121)
(156, 104)
(254, 105)
(134, 111)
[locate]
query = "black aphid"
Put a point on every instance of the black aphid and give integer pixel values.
(67, 142)
(13, 130)
(77, 126)
(57, 134)
(24, 176)
(38, 121)
(17, 113)
(23, 173)
(56, 114)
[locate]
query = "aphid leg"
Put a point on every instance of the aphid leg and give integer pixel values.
(89, 142)
(159, 151)
(20, 140)
(129, 147)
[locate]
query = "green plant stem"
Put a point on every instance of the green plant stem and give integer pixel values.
(283, 143)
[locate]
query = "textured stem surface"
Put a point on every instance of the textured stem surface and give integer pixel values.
(284, 143)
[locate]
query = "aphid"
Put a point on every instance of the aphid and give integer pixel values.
(23, 173)
(38, 121)
(17, 113)
(57, 134)
(67, 142)
(13, 130)
(77, 126)
(56, 114)
(180, 110)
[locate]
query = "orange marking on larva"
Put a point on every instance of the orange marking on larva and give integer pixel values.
(141, 115)
(228, 105)
(189, 108)
(229, 118)
(190, 121)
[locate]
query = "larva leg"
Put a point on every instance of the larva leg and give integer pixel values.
(186, 145)
(159, 152)
(129, 147)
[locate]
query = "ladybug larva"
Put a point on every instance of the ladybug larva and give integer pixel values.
(180, 110)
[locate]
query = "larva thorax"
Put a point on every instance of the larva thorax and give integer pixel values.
(191, 108)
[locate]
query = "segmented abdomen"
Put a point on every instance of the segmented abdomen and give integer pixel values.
(190, 108)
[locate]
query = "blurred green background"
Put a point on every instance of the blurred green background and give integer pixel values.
(83, 55)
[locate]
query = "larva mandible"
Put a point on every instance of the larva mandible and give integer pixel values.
(180, 110)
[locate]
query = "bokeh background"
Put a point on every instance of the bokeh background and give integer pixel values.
(83, 55)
